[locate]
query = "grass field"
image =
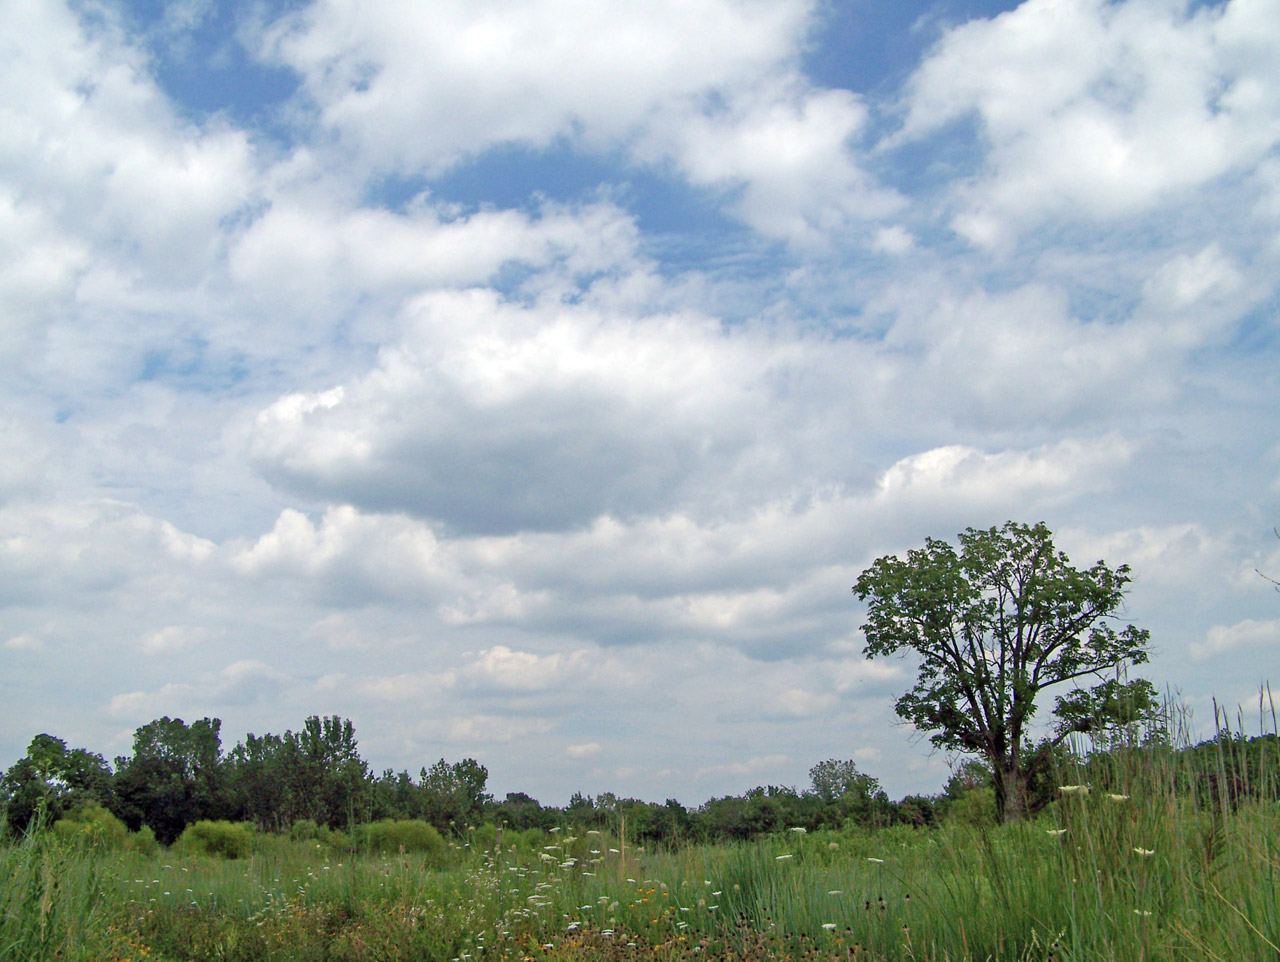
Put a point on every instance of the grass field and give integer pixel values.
(1141, 867)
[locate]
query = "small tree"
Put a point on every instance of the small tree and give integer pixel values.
(993, 626)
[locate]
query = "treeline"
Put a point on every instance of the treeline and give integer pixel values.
(179, 775)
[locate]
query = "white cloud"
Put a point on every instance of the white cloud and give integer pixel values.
(171, 638)
(477, 729)
(102, 158)
(1101, 110)
(418, 89)
(238, 684)
(751, 766)
(23, 642)
(584, 750)
(307, 250)
(708, 85)
(801, 703)
(788, 150)
(1224, 640)
(512, 417)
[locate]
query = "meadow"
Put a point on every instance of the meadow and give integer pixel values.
(1144, 862)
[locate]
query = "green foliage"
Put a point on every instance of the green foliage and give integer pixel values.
(142, 842)
(976, 807)
(485, 838)
(174, 777)
(453, 795)
(315, 774)
(220, 839)
(1154, 873)
(91, 823)
(992, 626)
(392, 836)
(51, 779)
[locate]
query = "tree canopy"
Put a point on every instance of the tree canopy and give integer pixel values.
(993, 625)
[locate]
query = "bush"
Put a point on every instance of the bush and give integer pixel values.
(484, 838)
(319, 836)
(142, 842)
(975, 807)
(90, 822)
(221, 839)
(406, 835)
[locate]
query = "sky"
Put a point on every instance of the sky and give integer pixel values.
(530, 380)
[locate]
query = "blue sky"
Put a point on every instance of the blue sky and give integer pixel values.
(530, 381)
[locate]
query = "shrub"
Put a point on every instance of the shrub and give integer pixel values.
(142, 842)
(222, 839)
(405, 835)
(319, 836)
(975, 807)
(90, 822)
(485, 837)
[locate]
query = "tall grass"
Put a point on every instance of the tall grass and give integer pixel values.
(1157, 860)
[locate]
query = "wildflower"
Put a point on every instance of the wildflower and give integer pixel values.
(1144, 852)
(1074, 789)
(799, 830)
(779, 858)
(829, 926)
(1142, 913)
(1055, 831)
(1117, 798)
(833, 845)
(878, 861)
(834, 892)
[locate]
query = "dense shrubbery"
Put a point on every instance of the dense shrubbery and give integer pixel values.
(391, 836)
(92, 824)
(221, 839)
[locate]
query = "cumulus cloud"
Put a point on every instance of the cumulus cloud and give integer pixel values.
(1100, 110)
(315, 437)
(421, 89)
(513, 418)
(709, 86)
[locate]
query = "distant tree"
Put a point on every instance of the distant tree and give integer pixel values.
(918, 811)
(54, 779)
(521, 811)
(173, 778)
(454, 794)
(993, 626)
(848, 792)
(331, 782)
(261, 779)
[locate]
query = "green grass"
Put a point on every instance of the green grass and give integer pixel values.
(1074, 884)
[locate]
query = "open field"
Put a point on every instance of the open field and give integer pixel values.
(1095, 877)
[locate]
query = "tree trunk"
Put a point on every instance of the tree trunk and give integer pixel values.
(1011, 792)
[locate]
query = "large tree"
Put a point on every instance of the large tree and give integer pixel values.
(175, 777)
(993, 625)
(50, 780)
